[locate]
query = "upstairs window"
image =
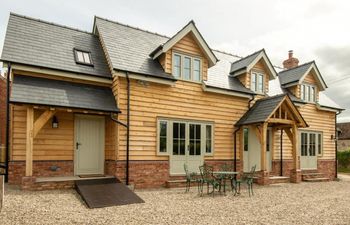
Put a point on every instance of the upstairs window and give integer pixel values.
(308, 93)
(257, 82)
(186, 67)
(82, 57)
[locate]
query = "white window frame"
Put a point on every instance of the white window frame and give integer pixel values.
(170, 123)
(85, 55)
(182, 67)
(305, 93)
(317, 133)
(256, 74)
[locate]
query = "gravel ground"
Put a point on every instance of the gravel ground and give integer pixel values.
(305, 203)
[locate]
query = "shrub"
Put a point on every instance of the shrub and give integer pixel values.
(344, 159)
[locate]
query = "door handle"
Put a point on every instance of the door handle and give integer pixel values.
(77, 145)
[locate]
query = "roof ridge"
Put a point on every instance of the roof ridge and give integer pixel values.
(50, 23)
(133, 27)
(297, 66)
(248, 55)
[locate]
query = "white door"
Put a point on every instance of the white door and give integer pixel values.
(89, 145)
(187, 147)
(308, 155)
(252, 150)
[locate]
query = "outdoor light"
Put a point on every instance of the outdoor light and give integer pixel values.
(54, 122)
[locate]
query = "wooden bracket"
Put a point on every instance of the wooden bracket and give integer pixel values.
(42, 120)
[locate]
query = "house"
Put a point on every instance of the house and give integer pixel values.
(343, 136)
(138, 105)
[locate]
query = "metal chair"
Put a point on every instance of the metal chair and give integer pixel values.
(190, 177)
(208, 178)
(247, 178)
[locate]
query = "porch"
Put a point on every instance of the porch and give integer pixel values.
(266, 119)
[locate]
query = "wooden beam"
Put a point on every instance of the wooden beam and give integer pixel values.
(283, 121)
(29, 141)
(263, 147)
(289, 134)
(257, 132)
(42, 120)
(272, 147)
(295, 147)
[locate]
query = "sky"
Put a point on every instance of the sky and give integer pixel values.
(314, 30)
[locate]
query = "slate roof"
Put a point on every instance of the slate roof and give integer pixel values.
(261, 110)
(41, 91)
(244, 62)
(294, 74)
(39, 43)
(344, 129)
(129, 48)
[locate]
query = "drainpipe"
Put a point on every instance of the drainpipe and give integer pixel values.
(7, 122)
(281, 147)
(127, 128)
(336, 145)
(235, 149)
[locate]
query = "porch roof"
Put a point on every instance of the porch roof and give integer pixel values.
(263, 109)
(48, 92)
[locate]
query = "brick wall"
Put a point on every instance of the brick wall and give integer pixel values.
(327, 167)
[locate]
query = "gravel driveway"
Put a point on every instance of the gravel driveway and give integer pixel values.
(305, 203)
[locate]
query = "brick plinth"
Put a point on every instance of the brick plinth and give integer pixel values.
(327, 167)
(295, 176)
(263, 177)
(287, 165)
(28, 183)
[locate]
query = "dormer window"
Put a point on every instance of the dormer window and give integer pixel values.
(186, 67)
(83, 57)
(308, 93)
(257, 82)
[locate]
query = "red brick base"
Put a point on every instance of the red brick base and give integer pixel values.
(28, 183)
(263, 177)
(295, 176)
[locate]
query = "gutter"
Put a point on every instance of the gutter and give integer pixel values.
(7, 122)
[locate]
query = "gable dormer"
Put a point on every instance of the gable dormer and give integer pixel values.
(254, 72)
(186, 55)
(304, 81)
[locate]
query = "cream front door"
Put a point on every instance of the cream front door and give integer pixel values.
(252, 150)
(186, 147)
(308, 155)
(89, 145)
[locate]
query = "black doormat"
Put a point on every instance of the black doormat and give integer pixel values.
(98, 193)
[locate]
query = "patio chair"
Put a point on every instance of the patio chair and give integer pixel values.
(190, 177)
(208, 178)
(247, 178)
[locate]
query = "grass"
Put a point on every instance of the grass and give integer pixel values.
(344, 170)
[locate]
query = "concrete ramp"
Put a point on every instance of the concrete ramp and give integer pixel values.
(98, 193)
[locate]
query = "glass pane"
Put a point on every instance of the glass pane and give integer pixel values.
(175, 147)
(177, 66)
(80, 56)
(196, 70)
(253, 82)
(192, 147)
(208, 146)
(162, 144)
(208, 139)
(198, 131)
(187, 68)
(176, 130)
(306, 93)
(163, 128)
(304, 144)
(182, 147)
(312, 145)
(86, 57)
(198, 147)
(182, 130)
(312, 94)
(319, 144)
(245, 135)
(260, 83)
(191, 131)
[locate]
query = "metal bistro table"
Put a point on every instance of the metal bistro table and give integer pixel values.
(224, 175)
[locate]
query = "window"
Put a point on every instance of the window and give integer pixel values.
(186, 67)
(177, 65)
(245, 136)
(208, 139)
(308, 93)
(163, 127)
(257, 82)
(82, 57)
(184, 138)
(311, 143)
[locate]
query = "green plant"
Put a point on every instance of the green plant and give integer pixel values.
(344, 159)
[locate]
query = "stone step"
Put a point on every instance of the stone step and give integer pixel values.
(313, 175)
(278, 180)
(320, 179)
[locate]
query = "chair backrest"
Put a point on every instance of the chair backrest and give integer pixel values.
(206, 171)
(227, 167)
(252, 172)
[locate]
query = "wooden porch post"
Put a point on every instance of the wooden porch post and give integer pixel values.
(263, 147)
(295, 147)
(29, 141)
